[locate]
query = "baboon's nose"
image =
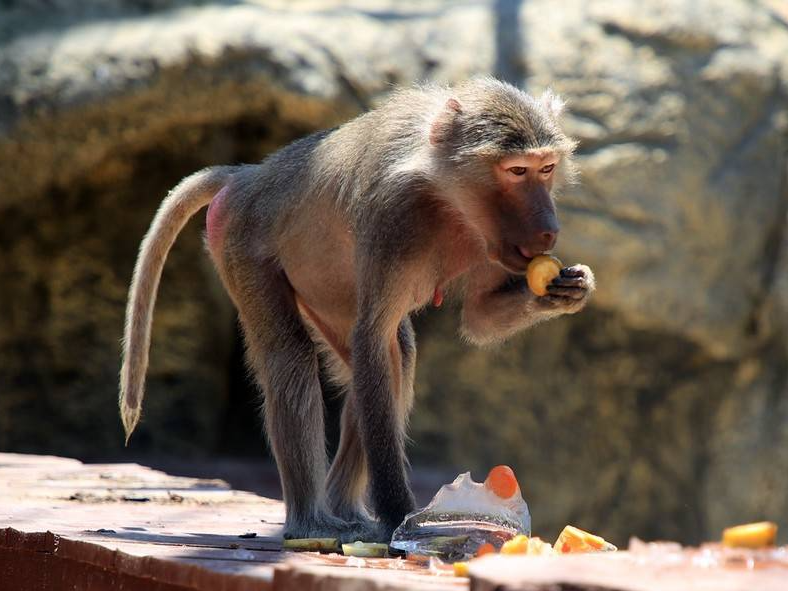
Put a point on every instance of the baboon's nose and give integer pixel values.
(548, 240)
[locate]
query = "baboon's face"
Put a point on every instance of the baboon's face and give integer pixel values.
(518, 208)
(504, 152)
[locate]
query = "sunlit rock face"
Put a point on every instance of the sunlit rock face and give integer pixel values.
(660, 411)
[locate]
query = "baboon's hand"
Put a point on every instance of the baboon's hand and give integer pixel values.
(569, 291)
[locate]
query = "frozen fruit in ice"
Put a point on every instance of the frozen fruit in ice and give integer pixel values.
(465, 515)
(502, 481)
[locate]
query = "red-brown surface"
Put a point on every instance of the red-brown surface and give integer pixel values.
(68, 525)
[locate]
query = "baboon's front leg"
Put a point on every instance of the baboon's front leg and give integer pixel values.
(498, 304)
(380, 392)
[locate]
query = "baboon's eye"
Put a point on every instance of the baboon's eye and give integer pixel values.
(547, 169)
(518, 170)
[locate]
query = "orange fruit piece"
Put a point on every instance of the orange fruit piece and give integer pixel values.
(460, 569)
(540, 273)
(502, 481)
(485, 549)
(750, 535)
(573, 539)
(517, 545)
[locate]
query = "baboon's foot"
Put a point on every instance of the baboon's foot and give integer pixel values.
(319, 525)
(325, 525)
(364, 529)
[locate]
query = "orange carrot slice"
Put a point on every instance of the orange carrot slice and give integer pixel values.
(502, 481)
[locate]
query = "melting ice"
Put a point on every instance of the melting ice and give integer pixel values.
(460, 518)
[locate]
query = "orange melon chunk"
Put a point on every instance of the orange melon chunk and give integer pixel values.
(750, 535)
(573, 539)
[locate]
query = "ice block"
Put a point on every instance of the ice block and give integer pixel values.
(464, 515)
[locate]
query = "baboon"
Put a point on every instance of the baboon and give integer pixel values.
(328, 246)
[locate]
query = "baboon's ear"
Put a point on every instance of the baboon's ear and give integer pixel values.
(443, 123)
(553, 103)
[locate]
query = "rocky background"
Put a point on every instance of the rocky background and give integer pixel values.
(661, 411)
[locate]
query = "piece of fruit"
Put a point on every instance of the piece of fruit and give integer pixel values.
(312, 544)
(540, 272)
(517, 545)
(573, 539)
(750, 535)
(460, 569)
(486, 548)
(502, 481)
(537, 547)
(365, 549)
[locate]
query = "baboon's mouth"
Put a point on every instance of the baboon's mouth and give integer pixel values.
(513, 258)
(529, 254)
(516, 258)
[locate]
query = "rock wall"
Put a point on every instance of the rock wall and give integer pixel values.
(660, 411)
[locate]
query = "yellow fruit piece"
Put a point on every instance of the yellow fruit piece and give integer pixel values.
(751, 535)
(517, 545)
(573, 539)
(540, 272)
(460, 569)
(311, 544)
(537, 547)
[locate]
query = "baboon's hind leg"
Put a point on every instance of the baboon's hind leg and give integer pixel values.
(285, 364)
(347, 480)
(348, 477)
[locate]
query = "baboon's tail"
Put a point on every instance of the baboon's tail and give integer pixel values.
(182, 203)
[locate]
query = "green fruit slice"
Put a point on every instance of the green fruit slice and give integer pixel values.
(365, 550)
(312, 544)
